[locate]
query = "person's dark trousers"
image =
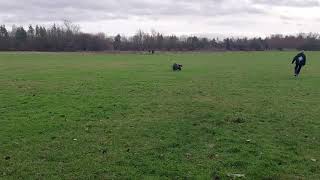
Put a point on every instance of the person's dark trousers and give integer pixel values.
(297, 69)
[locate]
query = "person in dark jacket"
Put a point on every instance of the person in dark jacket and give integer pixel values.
(300, 60)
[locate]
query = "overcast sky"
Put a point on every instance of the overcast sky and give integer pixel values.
(181, 17)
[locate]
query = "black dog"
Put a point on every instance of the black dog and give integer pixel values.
(177, 67)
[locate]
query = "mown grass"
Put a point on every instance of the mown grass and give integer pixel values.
(81, 116)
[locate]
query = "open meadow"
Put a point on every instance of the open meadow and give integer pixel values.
(129, 116)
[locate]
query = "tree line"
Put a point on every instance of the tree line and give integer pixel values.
(68, 37)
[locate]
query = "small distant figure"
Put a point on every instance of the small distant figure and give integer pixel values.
(177, 67)
(151, 51)
(300, 60)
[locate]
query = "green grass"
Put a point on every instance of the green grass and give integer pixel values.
(81, 116)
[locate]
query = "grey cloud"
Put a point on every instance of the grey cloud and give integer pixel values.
(288, 18)
(168, 15)
(288, 3)
(82, 10)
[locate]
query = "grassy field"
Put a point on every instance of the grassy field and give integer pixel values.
(81, 116)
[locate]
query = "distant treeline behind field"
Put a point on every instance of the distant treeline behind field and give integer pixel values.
(68, 37)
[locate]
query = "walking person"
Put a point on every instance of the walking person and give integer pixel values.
(300, 60)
